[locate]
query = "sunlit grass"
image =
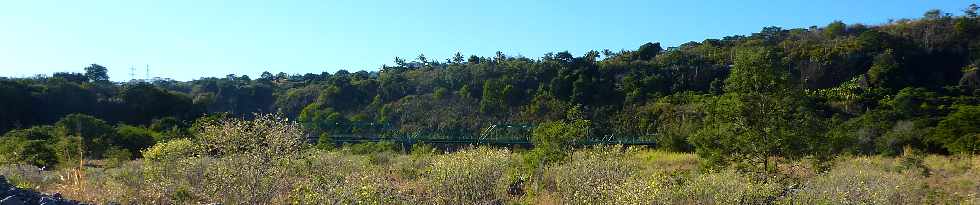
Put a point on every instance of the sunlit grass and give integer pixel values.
(599, 175)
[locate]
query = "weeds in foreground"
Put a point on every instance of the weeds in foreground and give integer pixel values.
(264, 161)
(490, 176)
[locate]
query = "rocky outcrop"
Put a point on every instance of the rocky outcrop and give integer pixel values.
(11, 195)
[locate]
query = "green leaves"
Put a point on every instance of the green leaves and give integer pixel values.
(318, 118)
(97, 73)
(553, 141)
(886, 71)
(758, 70)
(959, 132)
(757, 118)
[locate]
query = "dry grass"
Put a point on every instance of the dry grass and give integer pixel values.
(601, 175)
(956, 179)
(863, 180)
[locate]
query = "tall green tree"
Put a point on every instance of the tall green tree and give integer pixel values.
(97, 73)
(755, 120)
(493, 99)
(886, 71)
(837, 28)
(648, 51)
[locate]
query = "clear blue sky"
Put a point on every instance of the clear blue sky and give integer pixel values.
(188, 39)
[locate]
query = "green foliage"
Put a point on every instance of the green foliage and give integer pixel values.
(473, 176)
(465, 91)
(886, 71)
(493, 98)
(422, 149)
(649, 51)
(834, 29)
(598, 175)
(198, 125)
(554, 140)
(959, 132)
(760, 116)
(324, 143)
(70, 151)
(678, 117)
(146, 102)
(170, 150)
(230, 161)
(135, 139)
(318, 119)
(757, 70)
(96, 136)
(169, 128)
(20, 150)
(440, 93)
(265, 137)
(115, 156)
(29, 146)
(545, 107)
(373, 147)
(97, 73)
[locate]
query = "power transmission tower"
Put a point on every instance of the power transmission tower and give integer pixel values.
(132, 73)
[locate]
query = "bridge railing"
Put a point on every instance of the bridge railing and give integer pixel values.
(498, 134)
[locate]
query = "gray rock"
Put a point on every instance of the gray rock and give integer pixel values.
(48, 201)
(12, 195)
(13, 200)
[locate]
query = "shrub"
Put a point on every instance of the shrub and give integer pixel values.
(373, 147)
(20, 150)
(323, 142)
(249, 158)
(592, 176)
(903, 134)
(422, 149)
(134, 139)
(169, 128)
(668, 162)
(174, 180)
(333, 178)
(123, 183)
(472, 176)
(95, 135)
(116, 156)
(554, 140)
(725, 187)
(29, 146)
(863, 180)
(960, 131)
(170, 150)
(235, 161)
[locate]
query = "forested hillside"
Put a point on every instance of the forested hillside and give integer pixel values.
(839, 88)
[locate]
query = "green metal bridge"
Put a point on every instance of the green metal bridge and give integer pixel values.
(495, 135)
